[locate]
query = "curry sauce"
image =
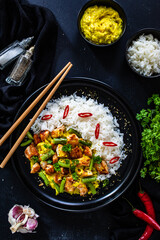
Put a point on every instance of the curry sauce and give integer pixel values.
(101, 25)
(65, 161)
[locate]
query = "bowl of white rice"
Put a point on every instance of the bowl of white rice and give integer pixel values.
(143, 53)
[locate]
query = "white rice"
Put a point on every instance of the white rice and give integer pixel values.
(109, 131)
(144, 55)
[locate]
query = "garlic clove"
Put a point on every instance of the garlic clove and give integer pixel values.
(31, 224)
(22, 219)
(14, 213)
(29, 211)
(17, 210)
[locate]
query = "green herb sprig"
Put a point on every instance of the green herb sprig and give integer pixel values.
(150, 142)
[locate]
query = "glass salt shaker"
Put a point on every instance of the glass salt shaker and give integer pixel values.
(21, 68)
(13, 51)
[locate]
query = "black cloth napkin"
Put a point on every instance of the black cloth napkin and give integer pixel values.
(19, 20)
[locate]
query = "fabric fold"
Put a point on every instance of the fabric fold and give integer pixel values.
(20, 20)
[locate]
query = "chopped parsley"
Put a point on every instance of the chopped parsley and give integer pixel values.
(150, 141)
(105, 182)
(67, 148)
(75, 176)
(56, 167)
(67, 161)
(49, 161)
(97, 159)
(35, 159)
(73, 168)
(75, 162)
(47, 146)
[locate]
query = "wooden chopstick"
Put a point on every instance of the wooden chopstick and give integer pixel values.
(19, 140)
(27, 111)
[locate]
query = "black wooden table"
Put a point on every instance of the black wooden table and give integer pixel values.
(107, 65)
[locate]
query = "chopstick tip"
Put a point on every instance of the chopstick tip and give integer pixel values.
(1, 166)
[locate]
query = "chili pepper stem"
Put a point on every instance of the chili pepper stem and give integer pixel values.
(140, 188)
(133, 208)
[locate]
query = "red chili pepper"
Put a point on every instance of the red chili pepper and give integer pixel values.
(143, 216)
(109, 144)
(66, 111)
(147, 203)
(97, 130)
(84, 115)
(150, 211)
(46, 117)
(113, 160)
(147, 233)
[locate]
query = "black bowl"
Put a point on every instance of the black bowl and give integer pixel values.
(125, 174)
(107, 3)
(145, 31)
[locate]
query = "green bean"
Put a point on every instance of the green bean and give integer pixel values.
(59, 140)
(86, 143)
(71, 130)
(91, 164)
(26, 143)
(89, 179)
(47, 155)
(62, 185)
(43, 176)
(29, 135)
(65, 165)
(56, 186)
(92, 188)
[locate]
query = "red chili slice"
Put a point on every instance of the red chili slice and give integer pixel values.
(84, 115)
(46, 117)
(97, 130)
(66, 111)
(109, 144)
(113, 160)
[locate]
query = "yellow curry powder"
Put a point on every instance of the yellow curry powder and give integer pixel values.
(101, 25)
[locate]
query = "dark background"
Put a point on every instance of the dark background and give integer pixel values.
(107, 65)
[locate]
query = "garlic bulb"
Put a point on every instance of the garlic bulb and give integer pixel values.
(22, 219)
